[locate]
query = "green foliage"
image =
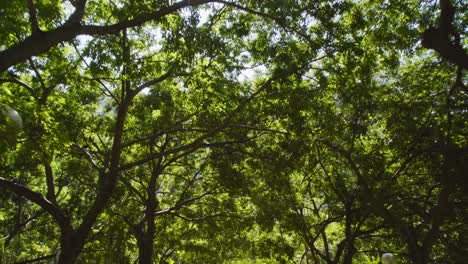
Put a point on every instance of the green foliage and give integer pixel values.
(251, 132)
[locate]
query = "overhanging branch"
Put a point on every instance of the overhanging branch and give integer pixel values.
(36, 198)
(438, 38)
(37, 44)
(33, 17)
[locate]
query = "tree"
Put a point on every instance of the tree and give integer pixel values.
(440, 38)
(232, 131)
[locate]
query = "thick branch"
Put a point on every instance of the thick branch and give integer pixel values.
(16, 81)
(153, 82)
(78, 14)
(446, 16)
(108, 179)
(36, 198)
(139, 20)
(50, 183)
(33, 17)
(39, 43)
(438, 38)
(433, 39)
(438, 215)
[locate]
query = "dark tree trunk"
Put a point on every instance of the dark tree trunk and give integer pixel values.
(348, 257)
(417, 253)
(349, 249)
(68, 249)
(419, 256)
(67, 257)
(146, 241)
(145, 249)
(72, 241)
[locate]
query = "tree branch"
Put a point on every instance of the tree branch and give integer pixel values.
(201, 218)
(152, 82)
(438, 38)
(279, 21)
(160, 133)
(36, 198)
(50, 183)
(181, 204)
(139, 20)
(77, 15)
(33, 17)
(36, 259)
(104, 89)
(89, 157)
(37, 44)
(199, 141)
(38, 75)
(107, 180)
(19, 228)
(16, 81)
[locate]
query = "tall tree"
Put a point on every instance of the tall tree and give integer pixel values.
(232, 131)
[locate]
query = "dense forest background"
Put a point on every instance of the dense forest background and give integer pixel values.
(222, 131)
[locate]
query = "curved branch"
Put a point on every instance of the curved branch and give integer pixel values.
(37, 44)
(139, 20)
(16, 81)
(36, 198)
(153, 82)
(438, 38)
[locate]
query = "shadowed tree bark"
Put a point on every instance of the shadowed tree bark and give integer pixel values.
(438, 38)
(42, 41)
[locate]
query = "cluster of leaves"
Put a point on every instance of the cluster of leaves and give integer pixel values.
(230, 132)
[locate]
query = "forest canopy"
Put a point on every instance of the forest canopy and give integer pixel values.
(233, 131)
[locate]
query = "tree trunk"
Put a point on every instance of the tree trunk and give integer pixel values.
(68, 250)
(419, 257)
(417, 254)
(348, 257)
(67, 257)
(349, 249)
(145, 249)
(146, 241)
